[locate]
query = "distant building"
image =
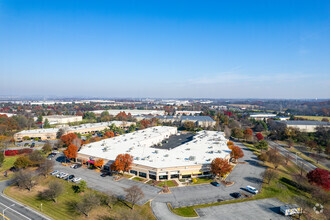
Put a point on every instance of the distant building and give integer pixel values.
(8, 114)
(61, 119)
(133, 112)
(50, 133)
(262, 116)
(202, 121)
(306, 126)
(187, 112)
(159, 152)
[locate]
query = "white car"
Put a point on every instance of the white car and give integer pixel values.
(60, 174)
(252, 189)
(76, 180)
(54, 172)
(64, 176)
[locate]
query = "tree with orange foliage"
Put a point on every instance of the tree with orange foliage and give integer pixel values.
(230, 144)
(123, 163)
(99, 163)
(236, 152)
(248, 134)
(71, 152)
(68, 138)
(220, 167)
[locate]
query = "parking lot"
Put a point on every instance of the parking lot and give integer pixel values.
(106, 184)
(243, 175)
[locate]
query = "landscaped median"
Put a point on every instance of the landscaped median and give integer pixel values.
(64, 207)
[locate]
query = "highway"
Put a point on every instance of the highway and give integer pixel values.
(12, 210)
(294, 158)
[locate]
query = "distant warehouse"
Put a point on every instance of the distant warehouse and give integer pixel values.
(306, 126)
(50, 133)
(61, 119)
(202, 121)
(133, 112)
(161, 152)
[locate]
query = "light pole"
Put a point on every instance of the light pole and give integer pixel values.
(3, 212)
(297, 157)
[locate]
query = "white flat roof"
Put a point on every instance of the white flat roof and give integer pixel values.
(205, 146)
(132, 112)
(73, 128)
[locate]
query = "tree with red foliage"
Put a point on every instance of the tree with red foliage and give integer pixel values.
(320, 177)
(123, 163)
(220, 167)
(259, 136)
(68, 138)
(228, 113)
(71, 152)
(145, 123)
(121, 116)
(248, 133)
(236, 152)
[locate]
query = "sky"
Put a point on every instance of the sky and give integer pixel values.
(165, 49)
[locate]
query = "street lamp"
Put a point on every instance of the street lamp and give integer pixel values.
(3, 212)
(297, 157)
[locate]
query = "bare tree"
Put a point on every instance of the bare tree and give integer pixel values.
(269, 175)
(274, 158)
(227, 132)
(88, 202)
(24, 179)
(287, 158)
(55, 190)
(108, 199)
(134, 194)
(59, 133)
(46, 167)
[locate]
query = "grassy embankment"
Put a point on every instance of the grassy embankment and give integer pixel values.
(278, 187)
(312, 118)
(63, 208)
(7, 164)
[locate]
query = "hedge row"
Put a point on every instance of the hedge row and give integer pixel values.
(17, 152)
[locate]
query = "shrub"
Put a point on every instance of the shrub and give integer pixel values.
(263, 157)
(194, 180)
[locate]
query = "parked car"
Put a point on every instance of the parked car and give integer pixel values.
(76, 166)
(252, 189)
(104, 174)
(26, 144)
(236, 195)
(215, 184)
(64, 176)
(76, 180)
(33, 145)
(60, 174)
(54, 172)
(70, 177)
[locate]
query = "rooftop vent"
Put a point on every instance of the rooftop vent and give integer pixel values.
(192, 158)
(166, 155)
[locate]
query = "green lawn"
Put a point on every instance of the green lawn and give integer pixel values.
(202, 180)
(139, 179)
(7, 164)
(312, 118)
(63, 210)
(169, 183)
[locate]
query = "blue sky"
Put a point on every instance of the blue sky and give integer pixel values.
(197, 49)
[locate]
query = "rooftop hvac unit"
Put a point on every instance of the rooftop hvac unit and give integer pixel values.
(219, 151)
(192, 158)
(105, 149)
(156, 151)
(137, 158)
(166, 155)
(187, 148)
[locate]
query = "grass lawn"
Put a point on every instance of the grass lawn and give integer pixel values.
(139, 179)
(7, 164)
(202, 180)
(312, 118)
(184, 211)
(169, 183)
(63, 208)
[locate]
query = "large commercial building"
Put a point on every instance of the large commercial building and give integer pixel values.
(50, 133)
(133, 112)
(262, 116)
(61, 119)
(161, 152)
(202, 121)
(306, 126)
